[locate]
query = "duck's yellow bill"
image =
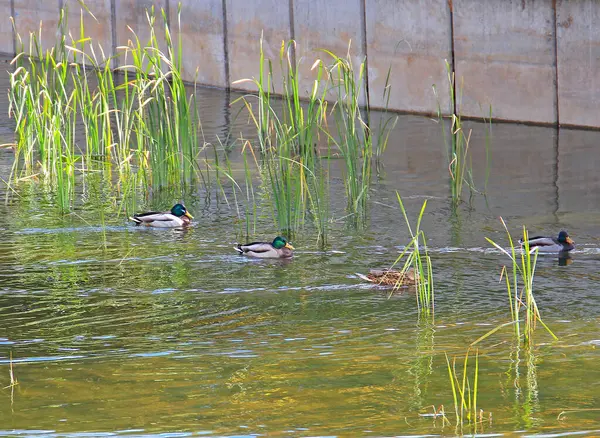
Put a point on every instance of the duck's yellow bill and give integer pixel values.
(288, 246)
(189, 215)
(569, 241)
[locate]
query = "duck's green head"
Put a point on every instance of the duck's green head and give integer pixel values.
(563, 237)
(180, 210)
(280, 242)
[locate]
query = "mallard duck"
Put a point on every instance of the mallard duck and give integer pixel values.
(550, 244)
(279, 249)
(177, 217)
(389, 277)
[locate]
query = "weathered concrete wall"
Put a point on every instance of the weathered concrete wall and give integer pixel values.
(328, 25)
(99, 29)
(578, 38)
(131, 23)
(6, 33)
(578, 184)
(414, 41)
(504, 50)
(531, 60)
(29, 14)
(246, 21)
(202, 27)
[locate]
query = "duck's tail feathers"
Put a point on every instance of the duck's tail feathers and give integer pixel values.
(238, 248)
(364, 277)
(135, 219)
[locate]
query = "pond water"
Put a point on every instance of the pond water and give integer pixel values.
(119, 330)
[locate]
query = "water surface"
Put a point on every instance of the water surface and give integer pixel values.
(121, 330)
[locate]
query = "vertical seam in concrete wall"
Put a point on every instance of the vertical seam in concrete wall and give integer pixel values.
(225, 45)
(452, 60)
(113, 33)
(292, 33)
(555, 171)
(14, 30)
(363, 23)
(557, 114)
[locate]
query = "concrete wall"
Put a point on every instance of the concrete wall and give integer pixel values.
(504, 52)
(412, 40)
(578, 44)
(530, 60)
(247, 21)
(6, 34)
(99, 29)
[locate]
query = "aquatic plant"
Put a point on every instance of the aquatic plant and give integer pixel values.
(167, 119)
(13, 380)
(144, 124)
(386, 124)
(287, 130)
(417, 258)
(353, 139)
(464, 393)
(42, 102)
(460, 166)
(520, 287)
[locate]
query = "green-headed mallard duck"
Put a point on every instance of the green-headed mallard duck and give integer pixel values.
(389, 277)
(177, 217)
(279, 249)
(550, 244)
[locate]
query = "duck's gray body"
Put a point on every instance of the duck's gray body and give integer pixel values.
(160, 220)
(176, 218)
(279, 249)
(550, 244)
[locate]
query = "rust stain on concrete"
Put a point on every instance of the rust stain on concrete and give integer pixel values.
(566, 23)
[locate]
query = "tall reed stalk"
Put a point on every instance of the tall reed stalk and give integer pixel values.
(354, 138)
(73, 116)
(464, 393)
(417, 258)
(460, 166)
(166, 118)
(288, 129)
(386, 124)
(519, 285)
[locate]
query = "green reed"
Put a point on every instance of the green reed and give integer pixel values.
(520, 286)
(354, 139)
(386, 124)
(13, 380)
(464, 393)
(460, 165)
(166, 119)
(417, 258)
(246, 220)
(249, 189)
(11, 372)
(42, 102)
(290, 164)
(73, 116)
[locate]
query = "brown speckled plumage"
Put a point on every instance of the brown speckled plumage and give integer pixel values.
(389, 277)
